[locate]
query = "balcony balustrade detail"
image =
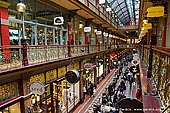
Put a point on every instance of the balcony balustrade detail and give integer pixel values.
(12, 56)
(160, 72)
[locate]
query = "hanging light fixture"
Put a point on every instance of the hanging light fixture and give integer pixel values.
(21, 7)
(80, 24)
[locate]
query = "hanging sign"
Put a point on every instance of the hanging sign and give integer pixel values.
(72, 76)
(37, 88)
(98, 32)
(134, 69)
(88, 66)
(106, 34)
(87, 29)
(147, 26)
(58, 20)
(102, 1)
(156, 11)
(135, 62)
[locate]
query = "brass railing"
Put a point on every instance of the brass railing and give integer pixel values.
(160, 72)
(13, 57)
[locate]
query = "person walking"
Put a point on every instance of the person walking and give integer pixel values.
(139, 94)
(84, 92)
(90, 88)
(130, 81)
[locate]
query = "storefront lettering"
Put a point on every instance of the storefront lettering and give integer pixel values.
(88, 66)
(37, 88)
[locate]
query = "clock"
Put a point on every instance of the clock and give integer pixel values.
(72, 76)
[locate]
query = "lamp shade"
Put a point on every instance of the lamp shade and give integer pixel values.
(21, 7)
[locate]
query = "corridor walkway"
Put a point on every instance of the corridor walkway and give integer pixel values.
(88, 105)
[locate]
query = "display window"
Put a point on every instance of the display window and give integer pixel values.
(46, 99)
(61, 71)
(8, 91)
(99, 70)
(76, 66)
(37, 78)
(50, 75)
(12, 109)
(68, 95)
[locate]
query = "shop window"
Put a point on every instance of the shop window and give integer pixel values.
(12, 109)
(37, 78)
(8, 91)
(65, 93)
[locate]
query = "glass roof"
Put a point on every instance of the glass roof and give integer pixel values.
(127, 11)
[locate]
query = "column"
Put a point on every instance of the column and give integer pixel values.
(21, 92)
(69, 33)
(102, 37)
(86, 34)
(96, 39)
(4, 29)
(164, 32)
(4, 23)
(81, 82)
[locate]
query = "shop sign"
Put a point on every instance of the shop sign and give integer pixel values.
(72, 76)
(58, 20)
(37, 88)
(100, 59)
(98, 32)
(135, 57)
(110, 35)
(147, 26)
(135, 62)
(87, 29)
(88, 66)
(156, 11)
(106, 34)
(102, 1)
(134, 69)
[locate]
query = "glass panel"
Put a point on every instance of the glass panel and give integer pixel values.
(41, 35)
(28, 33)
(49, 36)
(115, 4)
(120, 1)
(123, 5)
(124, 9)
(120, 13)
(126, 13)
(117, 9)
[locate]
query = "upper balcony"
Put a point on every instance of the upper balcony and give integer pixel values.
(12, 57)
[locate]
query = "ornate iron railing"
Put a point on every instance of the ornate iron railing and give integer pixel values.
(14, 56)
(160, 72)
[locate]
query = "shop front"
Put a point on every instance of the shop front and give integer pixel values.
(89, 73)
(59, 95)
(99, 68)
(9, 93)
(68, 94)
